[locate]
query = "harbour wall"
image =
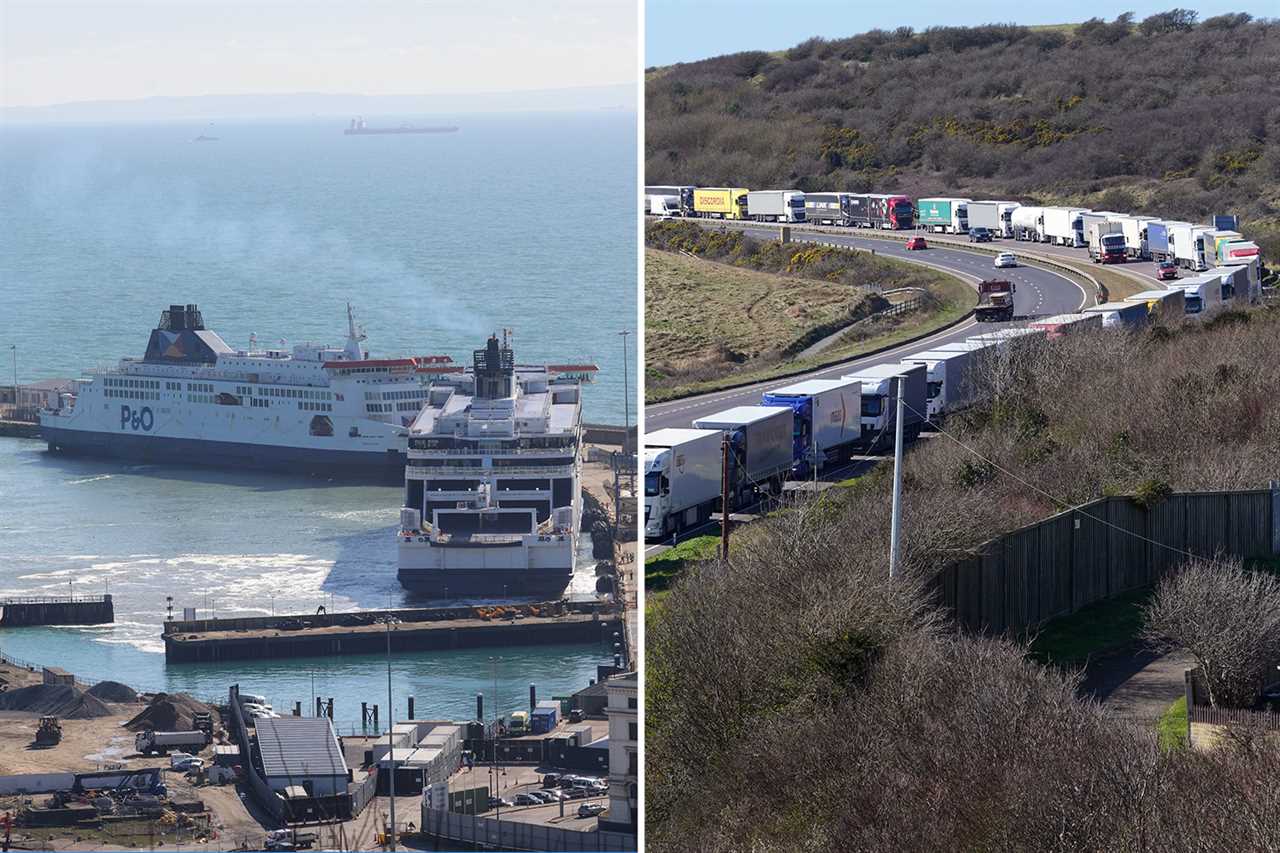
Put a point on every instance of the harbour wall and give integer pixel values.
(57, 610)
(365, 632)
(19, 429)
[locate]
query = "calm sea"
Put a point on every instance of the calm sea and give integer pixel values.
(520, 222)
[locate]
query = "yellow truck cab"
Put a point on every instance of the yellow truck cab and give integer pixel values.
(519, 723)
(720, 203)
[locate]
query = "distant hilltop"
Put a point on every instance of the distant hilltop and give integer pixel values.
(323, 105)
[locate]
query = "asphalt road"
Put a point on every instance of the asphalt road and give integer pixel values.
(1039, 293)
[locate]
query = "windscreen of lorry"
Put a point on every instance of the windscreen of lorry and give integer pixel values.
(935, 388)
(654, 484)
(1193, 305)
(797, 202)
(872, 407)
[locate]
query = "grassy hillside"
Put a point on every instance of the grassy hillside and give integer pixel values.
(1164, 116)
(723, 308)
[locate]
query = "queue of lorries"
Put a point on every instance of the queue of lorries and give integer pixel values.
(1109, 236)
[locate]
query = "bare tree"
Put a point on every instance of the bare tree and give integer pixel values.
(1225, 616)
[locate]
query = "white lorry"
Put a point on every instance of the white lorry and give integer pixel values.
(1106, 242)
(1167, 304)
(995, 216)
(1027, 222)
(947, 383)
(775, 205)
(662, 205)
(681, 479)
(148, 742)
(760, 449)
(1134, 229)
(827, 420)
(1202, 293)
(1064, 226)
(1187, 244)
(880, 403)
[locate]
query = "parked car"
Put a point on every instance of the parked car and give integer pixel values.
(1166, 270)
(979, 235)
(176, 758)
(527, 800)
(494, 802)
(554, 795)
(917, 243)
(1006, 259)
(187, 765)
(551, 780)
(590, 809)
(579, 792)
(543, 797)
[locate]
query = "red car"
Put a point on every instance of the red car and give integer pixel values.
(1166, 270)
(917, 243)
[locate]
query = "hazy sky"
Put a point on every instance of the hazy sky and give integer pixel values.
(685, 30)
(56, 51)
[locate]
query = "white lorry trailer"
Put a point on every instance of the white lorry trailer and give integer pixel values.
(681, 479)
(1202, 293)
(827, 420)
(880, 403)
(1134, 229)
(947, 385)
(1187, 244)
(148, 742)
(1064, 226)
(995, 216)
(1169, 304)
(1027, 223)
(775, 205)
(760, 449)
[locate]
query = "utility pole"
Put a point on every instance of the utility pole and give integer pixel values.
(626, 392)
(724, 497)
(14, 348)
(391, 741)
(895, 534)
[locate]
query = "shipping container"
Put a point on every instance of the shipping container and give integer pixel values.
(720, 203)
(826, 424)
(775, 205)
(681, 479)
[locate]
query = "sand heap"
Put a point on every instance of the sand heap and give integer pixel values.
(58, 700)
(171, 712)
(113, 691)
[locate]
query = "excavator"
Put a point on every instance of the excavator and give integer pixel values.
(49, 733)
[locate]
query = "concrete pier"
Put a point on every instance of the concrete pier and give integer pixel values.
(57, 610)
(19, 429)
(364, 632)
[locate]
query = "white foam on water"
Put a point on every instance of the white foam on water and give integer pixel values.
(88, 480)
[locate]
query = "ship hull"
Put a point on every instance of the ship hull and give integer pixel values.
(360, 466)
(493, 583)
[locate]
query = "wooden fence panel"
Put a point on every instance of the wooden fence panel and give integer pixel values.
(969, 594)
(1054, 555)
(1128, 554)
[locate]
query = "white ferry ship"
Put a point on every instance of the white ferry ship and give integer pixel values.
(194, 400)
(493, 504)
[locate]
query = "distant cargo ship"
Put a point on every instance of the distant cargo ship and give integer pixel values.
(359, 128)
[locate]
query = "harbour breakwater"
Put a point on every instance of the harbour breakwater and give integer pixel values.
(376, 631)
(56, 610)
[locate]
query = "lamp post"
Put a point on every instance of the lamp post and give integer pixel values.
(626, 390)
(14, 349)
(391, 743)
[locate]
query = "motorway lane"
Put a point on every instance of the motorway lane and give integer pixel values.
(1040, 292)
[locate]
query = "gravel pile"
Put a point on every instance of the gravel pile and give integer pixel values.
(113, 691)
(171, 712)
(58, 700)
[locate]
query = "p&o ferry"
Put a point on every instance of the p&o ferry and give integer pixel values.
(194, 400)
(493, 504)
